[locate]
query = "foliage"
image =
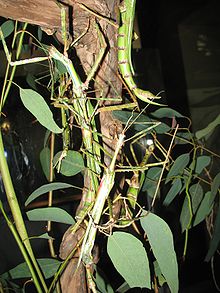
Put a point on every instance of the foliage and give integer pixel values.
(140, 243)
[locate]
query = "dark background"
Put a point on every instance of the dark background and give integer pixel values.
(180, 53)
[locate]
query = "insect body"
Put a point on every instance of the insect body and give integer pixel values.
(125, 34)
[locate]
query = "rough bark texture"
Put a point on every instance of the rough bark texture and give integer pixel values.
(107, 81)
(43, 13)
(73, 279)
(107, 84)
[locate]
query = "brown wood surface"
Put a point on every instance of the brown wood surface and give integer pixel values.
(44, 13)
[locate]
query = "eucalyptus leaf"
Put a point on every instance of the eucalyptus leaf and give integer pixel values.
(204, 209)
(196, 195)
(201, 163)
(158, 274)
(215, 186)
(178, 166)
(174, 190)
(214, 243)
(162, 128)
(46, 188)
(39, 33)
(124, 116)
(71, 164)
(183, 137)
(46, 137)
(36, 104)
(185, 216)
(102, 285)
(151, 180)
(44, 236)
(60, 67)
(130, 259)
(166, 113)
(141, 122)
(160, 239)
(45, 161)
(7, 28)
(49, 267)
(123, 288)
(30, 79)
(207, 131)
(50, 214)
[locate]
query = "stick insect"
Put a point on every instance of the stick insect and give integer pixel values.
(105, 187)
(125, 34)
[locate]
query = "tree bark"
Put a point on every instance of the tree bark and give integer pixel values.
(43, 13)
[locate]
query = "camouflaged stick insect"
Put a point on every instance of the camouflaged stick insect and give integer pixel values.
(125, 33)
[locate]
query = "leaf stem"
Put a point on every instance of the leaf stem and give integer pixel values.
(15, 209)
(5, 89)
(22, 249)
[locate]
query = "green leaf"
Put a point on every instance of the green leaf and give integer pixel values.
(185, 217)
(162, 128)
(215, 186)
(7, 28)
(60, 67)
(130, 259)
(71, 164)
(48, 266)
(196, 195)
(44, 236)
(166, 113)
(215, 237)
(151, 180)
(46, 137)
(101, 283)
(30, 79)
(207, 131)
(36, 104)
(141, 122)
(45, 161)
(50, 214)
(183, 137)
(46, 188)
(123, 288)
(158, 274)
(204, 209)
(123, 116)
(174, 190)
(161, 241)
(39, 33)
(201, 163)
(178, 166)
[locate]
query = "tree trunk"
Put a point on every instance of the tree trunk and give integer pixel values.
(107, 83)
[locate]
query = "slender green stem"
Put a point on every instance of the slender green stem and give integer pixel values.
(189, 201)
(15, 209)
(22, 249)
(50, 194)
(5, 89)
